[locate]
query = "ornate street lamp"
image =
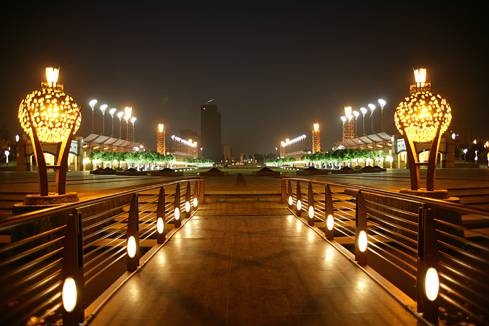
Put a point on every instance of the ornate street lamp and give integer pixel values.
(51, 116)
(423, 117)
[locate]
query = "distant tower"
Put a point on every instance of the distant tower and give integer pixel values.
(210, 130)
(349, 124)
(316, 139)
(282, 149)
(160, 139)
(228, 153)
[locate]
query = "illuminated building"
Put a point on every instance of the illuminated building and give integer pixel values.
(316, 139)
(160, 139)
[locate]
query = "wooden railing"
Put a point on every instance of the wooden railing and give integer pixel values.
(411, 241)
(56, 262)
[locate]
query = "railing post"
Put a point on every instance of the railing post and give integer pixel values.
(132, 245)
(361, 239)
(310, 208)
(290, 200)
(187, 205)
(328, 213)
(298, 205)
(427, 255)
(160, 217)
(283, 190)
(202, 191)
(176, 207)
(73, 282)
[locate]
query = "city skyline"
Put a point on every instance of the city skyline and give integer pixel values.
(271, 81)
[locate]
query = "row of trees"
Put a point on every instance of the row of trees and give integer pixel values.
(131, 157)
(334, 157)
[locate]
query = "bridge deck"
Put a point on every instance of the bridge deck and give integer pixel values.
(250, 264)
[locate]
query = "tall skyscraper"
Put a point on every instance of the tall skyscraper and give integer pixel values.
(316, 138)
(210, 130)
(160, 139)
(349, 131)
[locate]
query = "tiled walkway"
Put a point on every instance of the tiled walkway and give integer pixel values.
(250, 264)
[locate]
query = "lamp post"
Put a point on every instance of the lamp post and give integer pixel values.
(7, 154)
(50, 116)
(112, 112)
(120, 114)
(92, 104)
(356, 114)
(372, 109)
(423, 117)
(343, 121)
(133, 120)
(364, 112)
(382, 104)
(127, 117)
(102, 108)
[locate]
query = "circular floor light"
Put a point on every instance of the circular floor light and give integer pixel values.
(291, 201)
(362, 241)
(195, 202)
(131, 247)
(299, 205)
(69, 294)
(160, 225)
(431, 284)
(177, 213)
(330, 222)
(187, 206)
(310, 212)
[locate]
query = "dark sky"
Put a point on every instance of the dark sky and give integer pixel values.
(273, 68)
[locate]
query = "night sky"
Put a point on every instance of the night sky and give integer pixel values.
(273, 68)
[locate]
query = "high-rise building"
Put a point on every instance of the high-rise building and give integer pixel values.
(316, 139)
(349, 131)
(228, 153)
(160, 139)
(210, 124)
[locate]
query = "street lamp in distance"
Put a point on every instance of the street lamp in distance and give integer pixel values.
(382, 104)
(372, 108)
(92, 104)
(364, 111)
